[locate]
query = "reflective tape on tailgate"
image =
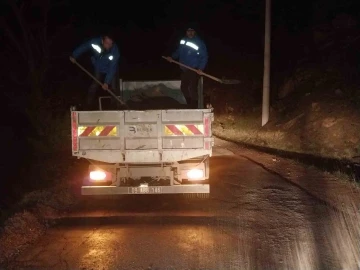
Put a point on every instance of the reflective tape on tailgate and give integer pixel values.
(184, 130)
(99, 131)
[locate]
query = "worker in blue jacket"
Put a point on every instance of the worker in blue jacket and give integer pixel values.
(192, 52)
(105, 60)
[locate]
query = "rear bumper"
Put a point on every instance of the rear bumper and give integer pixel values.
(111, 190)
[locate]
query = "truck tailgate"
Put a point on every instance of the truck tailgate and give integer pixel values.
(142, 136)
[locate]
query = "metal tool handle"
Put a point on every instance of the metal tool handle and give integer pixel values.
(195, 70)
(96, 80)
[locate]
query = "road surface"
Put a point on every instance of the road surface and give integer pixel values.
(254, 220)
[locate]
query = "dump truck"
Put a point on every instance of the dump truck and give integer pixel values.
(145, 151)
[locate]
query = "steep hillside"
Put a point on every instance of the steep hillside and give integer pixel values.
(315, 109)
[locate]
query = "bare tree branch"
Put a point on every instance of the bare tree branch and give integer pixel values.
(17, 43)
(33, 41)
(45, 26)
(19, 17)
(35, 44)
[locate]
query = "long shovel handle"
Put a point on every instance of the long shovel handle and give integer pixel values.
(193, 69)
(96, 80)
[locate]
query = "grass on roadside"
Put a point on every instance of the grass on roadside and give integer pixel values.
(29, 218)
(247, 129)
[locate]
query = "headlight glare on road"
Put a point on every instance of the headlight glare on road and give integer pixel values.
(195, 174)
(97, 175)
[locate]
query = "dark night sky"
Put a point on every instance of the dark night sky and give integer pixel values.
(145, 30)
(231, 29)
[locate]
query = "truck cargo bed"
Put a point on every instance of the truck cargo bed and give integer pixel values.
(152, 136)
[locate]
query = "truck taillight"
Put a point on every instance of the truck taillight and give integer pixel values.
(207, 131)
(99, 175)
(207, 126)
(74, 131)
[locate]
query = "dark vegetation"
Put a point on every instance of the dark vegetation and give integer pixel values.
(315, 95)
(37, 140)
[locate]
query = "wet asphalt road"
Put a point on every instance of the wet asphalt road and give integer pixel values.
(129, 246)
(253, 220)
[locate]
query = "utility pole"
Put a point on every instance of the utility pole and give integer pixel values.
(266, 79)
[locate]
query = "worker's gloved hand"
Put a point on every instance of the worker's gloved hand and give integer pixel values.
(199, 71)
(72, 59)
(169, 59)
(105, 86)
